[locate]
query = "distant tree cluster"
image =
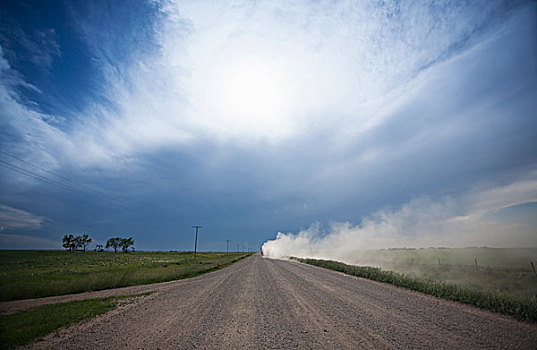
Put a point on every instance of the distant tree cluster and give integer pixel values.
(118, 242)
(81, 242)
(73, 243)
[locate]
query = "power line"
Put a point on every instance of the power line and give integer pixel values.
(46, 170)
(54, 174)
(51, 181)
(36, 176)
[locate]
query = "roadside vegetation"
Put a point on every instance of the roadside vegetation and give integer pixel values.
(508, 271)
(34, 274)
(22, 327)
(520, 307)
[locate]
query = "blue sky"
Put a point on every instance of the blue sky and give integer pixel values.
(408, 123)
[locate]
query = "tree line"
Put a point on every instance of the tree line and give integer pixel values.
(81, 242)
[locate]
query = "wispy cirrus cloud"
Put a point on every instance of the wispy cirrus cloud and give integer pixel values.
(38, 46)
(345, 80)
(13, 218)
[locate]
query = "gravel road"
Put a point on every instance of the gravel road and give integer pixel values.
(260, 303)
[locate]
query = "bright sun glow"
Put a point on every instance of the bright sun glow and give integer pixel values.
(253, 91)
(251, 96)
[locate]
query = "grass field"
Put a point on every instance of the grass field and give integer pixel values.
(502, 270)
(22, 327)
(33, 274)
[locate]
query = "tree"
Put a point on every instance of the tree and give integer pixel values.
(85, 241)
(78, 242)
(126, 243)
(99, 248)
(114, 243)
(69, 242)
(73, 243)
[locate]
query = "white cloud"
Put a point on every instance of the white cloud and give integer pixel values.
(249, 72)
(328, 59)
(44, 48)
(494, 199)
(308, 67)
(13, 218)
(28, 130)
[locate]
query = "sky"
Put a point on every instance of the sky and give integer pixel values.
(359, 124)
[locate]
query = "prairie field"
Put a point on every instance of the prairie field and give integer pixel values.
(503, 270)
(34, 274)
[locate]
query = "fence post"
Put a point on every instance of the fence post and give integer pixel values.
(476, 266)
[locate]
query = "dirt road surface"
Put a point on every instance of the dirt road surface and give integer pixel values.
(262, 303)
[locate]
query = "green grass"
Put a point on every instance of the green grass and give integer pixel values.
(522, 308)
(34, 274)
(22, 327)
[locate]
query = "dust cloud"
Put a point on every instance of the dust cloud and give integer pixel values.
(483, 217)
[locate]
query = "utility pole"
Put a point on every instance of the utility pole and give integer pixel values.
(227, 245)
(196, 242)
(238, 246)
